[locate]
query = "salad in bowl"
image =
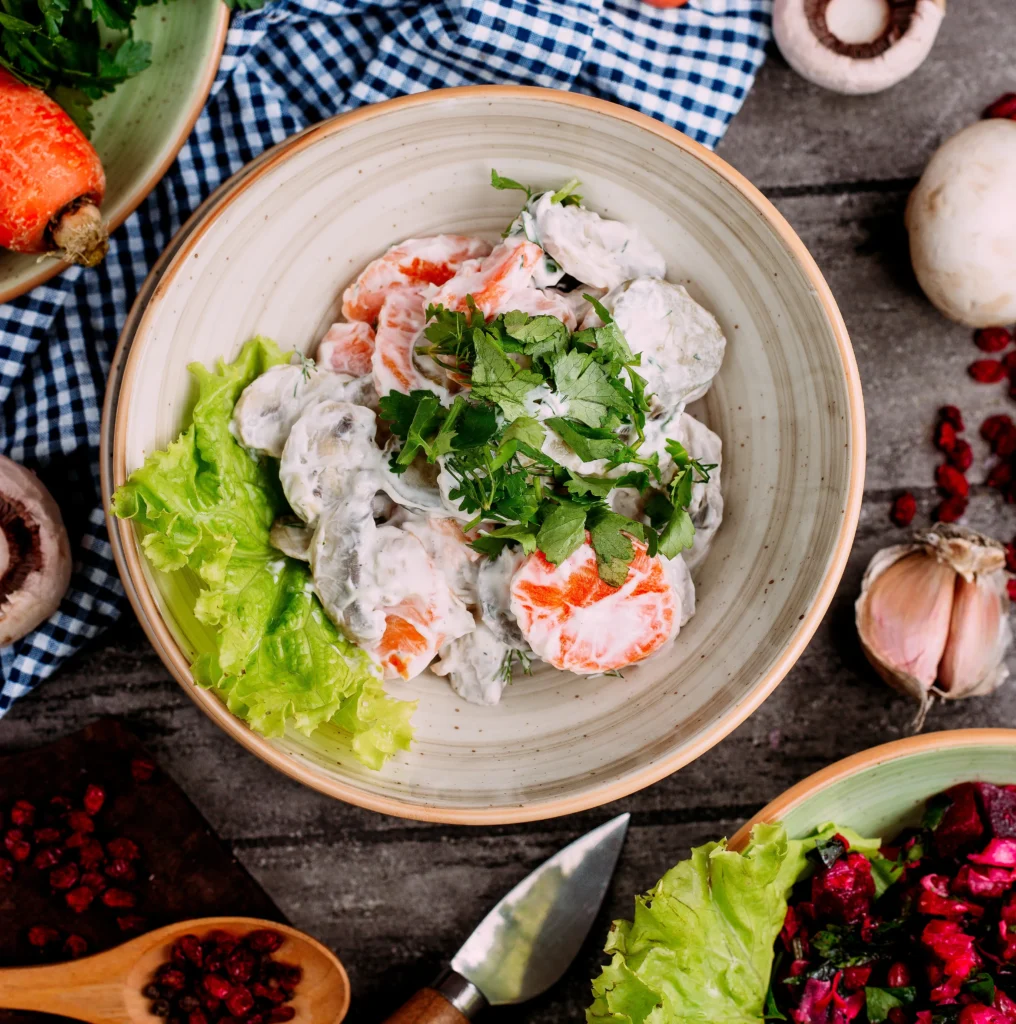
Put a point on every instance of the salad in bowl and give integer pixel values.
(488, 462)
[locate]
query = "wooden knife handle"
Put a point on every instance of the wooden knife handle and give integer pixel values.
(428, 1006)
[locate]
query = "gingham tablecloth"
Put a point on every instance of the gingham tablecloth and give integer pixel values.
(284, 68)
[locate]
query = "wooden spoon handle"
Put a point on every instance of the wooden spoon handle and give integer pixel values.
(67, 990)
(428, 1006)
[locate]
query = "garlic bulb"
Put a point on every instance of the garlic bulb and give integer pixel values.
(933, 615)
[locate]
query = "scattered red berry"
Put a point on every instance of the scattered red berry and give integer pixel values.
(75, 946)
(80, 821)
(264, 940)
(240, 964)
(121, 899)
(962, 456)
(123, 849)
(95, 881)
(999, 475)
(23, 814)
(6, 870)
(992, 339)
(65, 877)
(95, 797)
(91, 853)
(951, 481)
(904, 509)
(1004, 444)
(142, 769)
(239, 1002)
(945, 436)
(80, 899)
(17, 846)
(991, 427)
(41, 935)
(952, 509)
(1010, 587)
(59, 804)
(986, 371)
(187, 950)
(1010, 557)
(196, 1017)
(120, 870)
(1009, 362)
(47, 858)
(1004, 106)
(47, 836)
(952, 415)
(216, 986)
(171, 977)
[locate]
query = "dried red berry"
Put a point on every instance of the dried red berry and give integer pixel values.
(216, 986)
(196, 1017)
(224, 942)
(951, 414)
(47, 836)
(951, 481)
(1004, 106)
(1010, 557)
(76, 840)
(962, 456)
(95, 797)
(130, 922)
(80, 899)
(993, 424)
(239, 1002)
(120, 870)
(172, 978)
(992, 339)
(6, 870)
(240, 964)
(121, 899)
(1010, 588)
(65, 877)
(123, 849)
(142, 769)
(1000, 475)
(60, 803)
(986, 371)
(91, 853)
(80, 821)
(187, 949)
(264, 940)
(1009, 362)
(23, 814)
(904, 509)
(1004, 444)
(95, 881)
(210, 1003)
(42, 935)
(945, 437)
(289, 974)
(17, 846)
(280, 1014)
(952, 509)
(75, 946)
(48, 858)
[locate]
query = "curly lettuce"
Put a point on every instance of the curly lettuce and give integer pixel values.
(206, 504)
(700, 948)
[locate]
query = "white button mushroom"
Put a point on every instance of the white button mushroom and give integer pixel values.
(35, 554)
(962, 223)
(856, 46)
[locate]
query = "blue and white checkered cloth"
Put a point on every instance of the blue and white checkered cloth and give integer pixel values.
(284, 68)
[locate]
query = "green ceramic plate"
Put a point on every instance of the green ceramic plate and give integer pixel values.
(879, 791)
(140, 128)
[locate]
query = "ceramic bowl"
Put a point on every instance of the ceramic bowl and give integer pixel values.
(880, 791)
(140, 128)
(271, 252)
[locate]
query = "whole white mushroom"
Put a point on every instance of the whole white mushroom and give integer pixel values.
(961, 218)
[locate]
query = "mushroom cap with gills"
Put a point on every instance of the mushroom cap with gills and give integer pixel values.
(35, 554)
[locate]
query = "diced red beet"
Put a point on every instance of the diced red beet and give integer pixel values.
(856, 977)
(987, 883)
(999, 853)
(978, 1013)
(75, 946)
(95, 797)
(999, 802)
(961, 825)
(954, 949)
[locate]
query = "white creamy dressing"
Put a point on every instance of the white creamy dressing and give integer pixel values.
(381, 543)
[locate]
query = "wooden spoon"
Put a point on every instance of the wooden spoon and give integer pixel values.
(106, 988)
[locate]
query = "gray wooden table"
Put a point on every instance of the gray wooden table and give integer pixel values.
(393, 897)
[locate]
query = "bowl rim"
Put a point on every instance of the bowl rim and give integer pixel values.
(947, 739)
(136, 196)
(128, 558)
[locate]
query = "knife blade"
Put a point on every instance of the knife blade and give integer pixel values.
(526, 943)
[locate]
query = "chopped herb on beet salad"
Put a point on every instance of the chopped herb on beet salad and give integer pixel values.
(919, 930)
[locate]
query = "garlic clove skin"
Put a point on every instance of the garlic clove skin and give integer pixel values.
(903, 617)
(979, 635)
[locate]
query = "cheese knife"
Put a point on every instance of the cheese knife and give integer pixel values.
(529, 939)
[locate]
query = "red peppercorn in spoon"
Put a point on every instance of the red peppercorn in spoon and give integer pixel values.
(116, 987)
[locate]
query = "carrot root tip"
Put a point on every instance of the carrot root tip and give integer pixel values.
(80, 236)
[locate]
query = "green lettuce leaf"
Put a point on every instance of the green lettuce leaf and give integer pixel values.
(700, 947)
(206, 504)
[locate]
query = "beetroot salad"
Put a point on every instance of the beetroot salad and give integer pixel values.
(922, 933)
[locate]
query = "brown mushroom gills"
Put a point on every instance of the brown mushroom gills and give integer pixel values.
(888, 21)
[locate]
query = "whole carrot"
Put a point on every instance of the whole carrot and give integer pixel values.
(51, 179)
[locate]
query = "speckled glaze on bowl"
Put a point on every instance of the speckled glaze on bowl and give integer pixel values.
(271, 251)
(879, 791)
(140, 127)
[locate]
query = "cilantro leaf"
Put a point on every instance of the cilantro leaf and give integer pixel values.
(678, 534)
(494, 542)
(526, 429)
(425, 419)
(562, 532)
(400, 410)
(588, 443)
(541, 337)
(597, 486)
(614, 550)
(588, 388)
(501, 183)
(499, 380)
(476, 425)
